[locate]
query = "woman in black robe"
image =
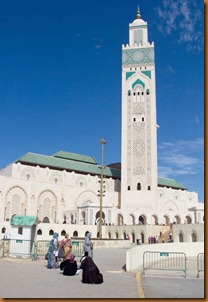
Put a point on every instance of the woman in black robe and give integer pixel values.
(90, 271)
(69, 266)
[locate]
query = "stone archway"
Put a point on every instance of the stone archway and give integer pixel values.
(120, 219)
(142, 219)
(166, 220)
(178, 219)
(193, 237)
(47, 206)
(180, 236)
(188, 219)
(155, 219)
(16, 201)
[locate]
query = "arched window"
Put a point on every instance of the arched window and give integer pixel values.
(142, 237)
(116, 235)
(20, 230)
(39, 232)
(63, 233)
(28, 176)
(3, 230)
(109, 235)
(180, 237)
(75, 234)
(55, 180)
(188, 219)
(129, 92)
(46, 220)
(51, 232)
(139, 186)
(133, 237)
(193, 237)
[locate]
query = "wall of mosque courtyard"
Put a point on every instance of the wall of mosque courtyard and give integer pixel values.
(138, 233)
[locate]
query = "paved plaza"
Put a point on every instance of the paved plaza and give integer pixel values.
(24, 278)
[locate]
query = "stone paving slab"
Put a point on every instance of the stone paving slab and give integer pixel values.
(23, 278)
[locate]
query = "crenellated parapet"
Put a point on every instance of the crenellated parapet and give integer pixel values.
(138, 45)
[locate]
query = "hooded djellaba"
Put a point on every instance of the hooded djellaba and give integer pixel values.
(90, 271)
(53, 252)
(88, 246)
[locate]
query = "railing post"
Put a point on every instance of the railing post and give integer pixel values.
(35, 255)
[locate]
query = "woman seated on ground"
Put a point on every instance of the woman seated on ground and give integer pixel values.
(69, 266)
(90, 271)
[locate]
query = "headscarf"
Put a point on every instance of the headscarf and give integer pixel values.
(55, 235)
(72, 257)
(66, 235)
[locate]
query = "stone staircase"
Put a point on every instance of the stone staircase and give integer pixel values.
(166, 235)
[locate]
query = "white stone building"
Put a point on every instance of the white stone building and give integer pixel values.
(63, 188)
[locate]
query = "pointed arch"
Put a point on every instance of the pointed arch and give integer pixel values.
(47, 205)
(177, 219)
(142, 219)
(120, 219)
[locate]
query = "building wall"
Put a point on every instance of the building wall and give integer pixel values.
(134, 256)
(61, 195)
(56, 195)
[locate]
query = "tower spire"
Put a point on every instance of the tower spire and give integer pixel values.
(138, 13)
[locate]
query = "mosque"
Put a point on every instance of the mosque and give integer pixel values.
(64, 188)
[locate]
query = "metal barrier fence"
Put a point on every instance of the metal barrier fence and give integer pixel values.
(4, 248)
(173, 261)
(200, 263)
(33, 249)
(17, 248)
(43, 245)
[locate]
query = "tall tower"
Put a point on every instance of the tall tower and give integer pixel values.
(139, 133)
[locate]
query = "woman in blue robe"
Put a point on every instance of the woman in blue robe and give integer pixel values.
(53, 252)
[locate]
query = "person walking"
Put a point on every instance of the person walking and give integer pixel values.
(66, 243)
(88, 246)
(53, 252)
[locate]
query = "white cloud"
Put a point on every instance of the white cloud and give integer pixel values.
(97, 42)
(181, 157)
(197, 121)
(185, 17)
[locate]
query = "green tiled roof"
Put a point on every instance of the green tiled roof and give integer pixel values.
(83, 164)
(76, 157)
(23, 220)
(170, 183)
(68, 164)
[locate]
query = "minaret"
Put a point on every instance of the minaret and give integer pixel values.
(139, 133)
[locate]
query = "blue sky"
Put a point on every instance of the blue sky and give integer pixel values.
(60, 80)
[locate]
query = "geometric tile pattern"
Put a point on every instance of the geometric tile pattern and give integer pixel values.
(138, 56)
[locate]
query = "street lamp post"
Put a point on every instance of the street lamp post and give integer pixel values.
(101, 191)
